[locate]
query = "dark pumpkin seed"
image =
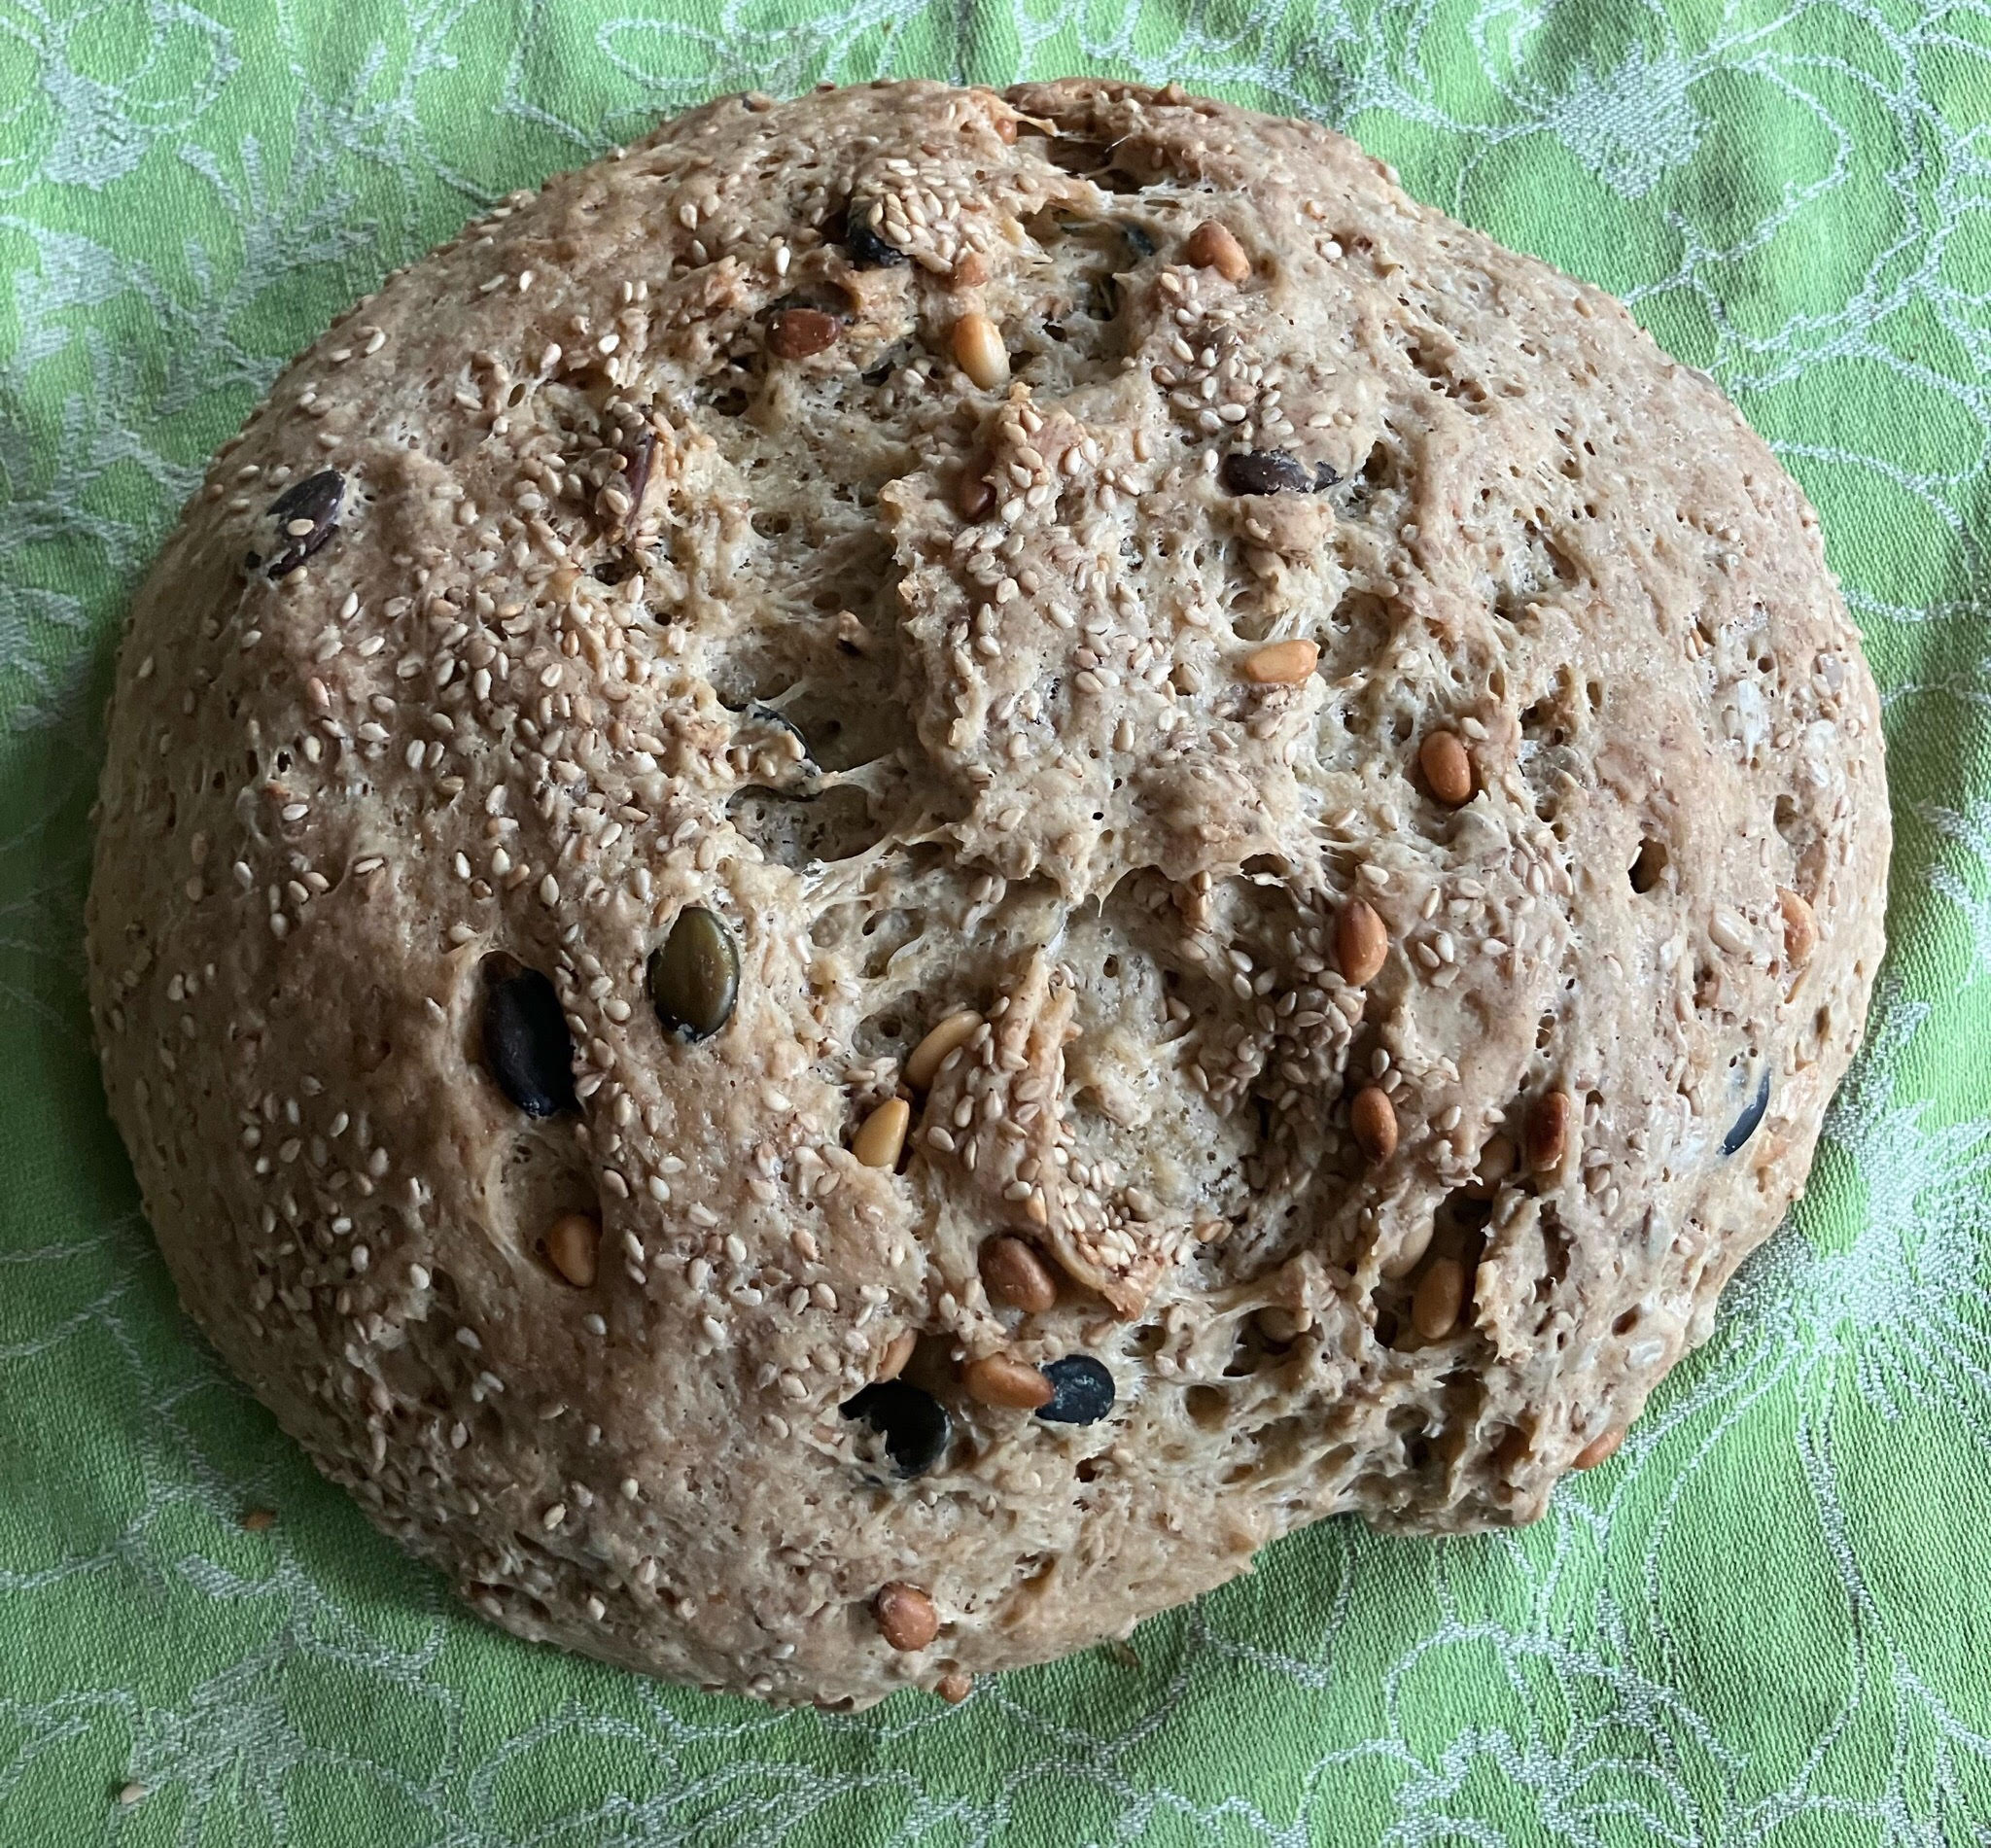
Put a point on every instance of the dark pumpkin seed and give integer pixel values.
(1116, 245)
(635, 474)
(759, 713)
(1745, 1125)
(1273, 471)
(694, 975)
(1137, 238)
(911, 1423)
(527, 1046)
(1082, 1391)
(869, 250)
(304, 516)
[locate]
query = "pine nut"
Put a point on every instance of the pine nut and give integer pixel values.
(1411, 1248)
(1361, 944)
(1282, 663)
(883, 1135)
(1801, 929)
(1440, 1295)
(1014, 1275)
(906, 1617)
(1599, 1450)
(1548, 1136)
(973, 497)
(1728, 933)
(1211, 246)
(1496, 1162)
(1446, 768)
(794, 333)
(929, 1054)
(897, 1352)
(1280, 1324)
(978, 351)
(572, 1241)
(1372, 1119)
(1001, 1379)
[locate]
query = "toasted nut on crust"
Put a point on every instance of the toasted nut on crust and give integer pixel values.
(906, 1617)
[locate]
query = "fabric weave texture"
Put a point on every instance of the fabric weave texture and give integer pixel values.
(1764, 1622)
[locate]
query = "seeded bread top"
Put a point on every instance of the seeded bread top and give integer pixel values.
(888, 874)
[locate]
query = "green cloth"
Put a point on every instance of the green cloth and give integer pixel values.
(1766, 1621)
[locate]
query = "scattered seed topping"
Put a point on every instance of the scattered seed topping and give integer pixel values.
(955, 1687)
(694, 975)
(1599, 1450)
(978, 350)
(1001, 1379)
(912, 1424)
(1282, 663)
(906, 1617)
(1211, 246)
(1447, 767)
(1361, 944)
(1549, 1132)
(883, 1135)
(1273, 471)
(1801, 929)
(1745, 1125)
(1496, 1162)
(1440, 1296)
(897, 1352)
(794, 333)
(1082, 1391)
(527, 1046)
(867, 249)
(926, 1058)
(306, 515)
(1371, 1120)
(636, 474)
(573, 1245)
(973, 497)
(1015, 1275)
(258, 1520)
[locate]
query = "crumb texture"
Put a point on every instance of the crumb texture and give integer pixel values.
(891, 872)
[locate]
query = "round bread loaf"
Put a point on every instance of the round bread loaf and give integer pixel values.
(891, 873)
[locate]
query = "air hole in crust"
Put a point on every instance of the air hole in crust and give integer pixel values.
(1207, 1407)
(1650, 866)
(795, 831)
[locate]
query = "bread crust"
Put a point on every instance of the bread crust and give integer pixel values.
(672, 562)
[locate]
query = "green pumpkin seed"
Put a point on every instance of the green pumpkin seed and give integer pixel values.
(694, 975)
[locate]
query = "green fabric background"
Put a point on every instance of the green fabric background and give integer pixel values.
(1768, 1620)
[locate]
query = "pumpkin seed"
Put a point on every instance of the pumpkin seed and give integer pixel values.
(869, 250)
(694, 975)
(911, 1423)
(306, 515)
(527, 1046)
(1274, 471)
(1082, 1391)
(1745, 1125)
